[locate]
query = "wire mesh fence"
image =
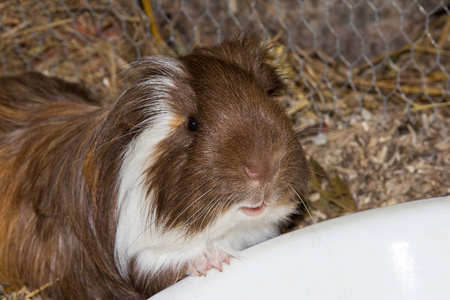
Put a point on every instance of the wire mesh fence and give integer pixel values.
(343, 57)
(383, 64)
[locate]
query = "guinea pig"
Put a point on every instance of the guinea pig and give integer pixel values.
(193, 162)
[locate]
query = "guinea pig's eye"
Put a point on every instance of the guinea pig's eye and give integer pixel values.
(192, 124)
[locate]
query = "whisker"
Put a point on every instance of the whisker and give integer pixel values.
(187, 196)
(223, 204)
(305, 130)
(149, 225)
(304, 204)
(173, 222)
(204, 210)
(211, 207)
(311, 171)
(200, 211)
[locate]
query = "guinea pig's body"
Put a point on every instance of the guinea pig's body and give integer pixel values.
(193, 162)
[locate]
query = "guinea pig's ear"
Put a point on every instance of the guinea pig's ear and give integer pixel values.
(271, 79)
(263, 67)
(250, 53)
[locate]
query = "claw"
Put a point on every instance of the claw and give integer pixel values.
(219, 267)
(213, 259)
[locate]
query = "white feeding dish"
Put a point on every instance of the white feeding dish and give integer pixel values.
(396, 252)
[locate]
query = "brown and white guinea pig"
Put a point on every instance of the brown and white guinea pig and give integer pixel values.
(193, 162)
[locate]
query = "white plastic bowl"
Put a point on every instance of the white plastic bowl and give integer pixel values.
(395, 252)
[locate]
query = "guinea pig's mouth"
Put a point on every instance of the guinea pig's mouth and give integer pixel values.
(254, 211)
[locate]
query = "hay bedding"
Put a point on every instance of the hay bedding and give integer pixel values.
(362, 156)
(383, 161)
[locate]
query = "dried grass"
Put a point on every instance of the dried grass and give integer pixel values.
(369, 152)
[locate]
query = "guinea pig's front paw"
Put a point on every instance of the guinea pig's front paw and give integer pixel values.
(212, 259)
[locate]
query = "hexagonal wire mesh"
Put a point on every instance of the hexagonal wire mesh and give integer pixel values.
(344, 57)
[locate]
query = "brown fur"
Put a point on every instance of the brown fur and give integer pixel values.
(61, 152)
(219, 106)
(55, 221)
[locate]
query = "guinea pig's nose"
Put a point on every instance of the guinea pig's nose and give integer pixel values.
(262, 171)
